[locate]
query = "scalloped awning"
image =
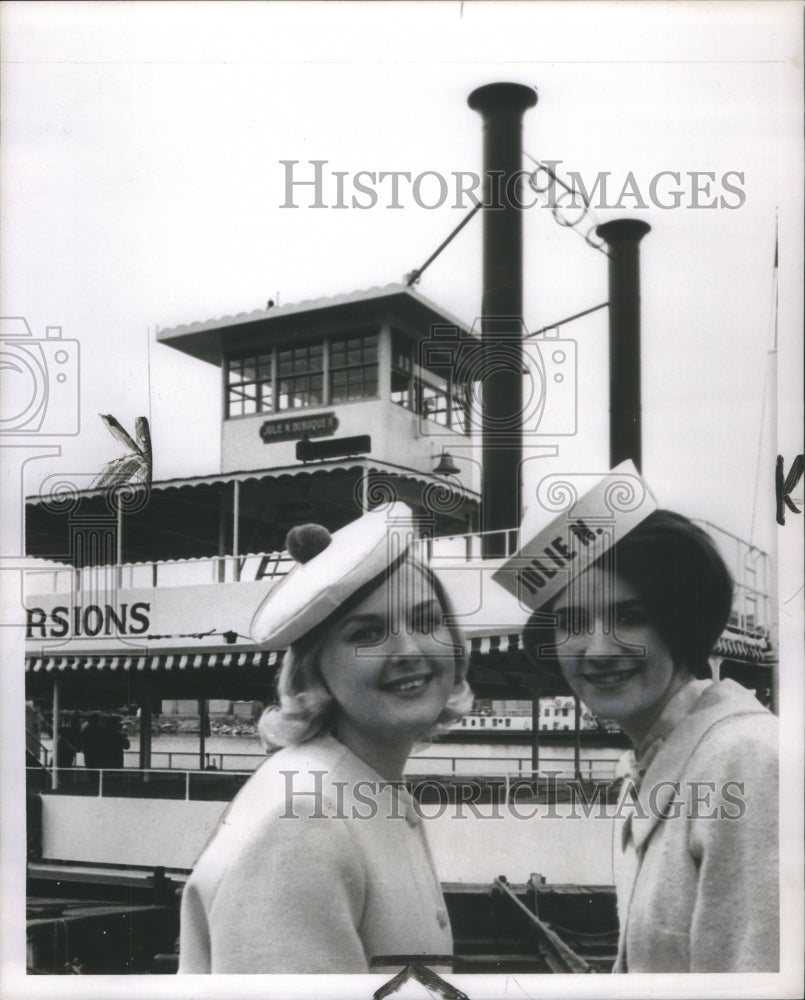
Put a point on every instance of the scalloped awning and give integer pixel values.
(78, 663)
(183, 517)
(280, 472)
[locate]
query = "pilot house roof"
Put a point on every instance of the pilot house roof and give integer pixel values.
(211, 339)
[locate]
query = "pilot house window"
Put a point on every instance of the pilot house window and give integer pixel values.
(429, 391)
(294, 376)
(301, 376)
(250, 385)
(353, 368)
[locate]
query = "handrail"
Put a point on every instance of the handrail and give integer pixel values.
(275, 564)
(82, 777)
(82, 781)
(559, 956)
(591, 767)
(710, 527)
(30, 734)
(161, 572)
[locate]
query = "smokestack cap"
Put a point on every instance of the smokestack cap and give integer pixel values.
(496, 97)
(623, 230)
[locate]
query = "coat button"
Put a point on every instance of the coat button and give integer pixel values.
(441, 916)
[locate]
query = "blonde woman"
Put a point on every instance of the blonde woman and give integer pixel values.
(321, 862)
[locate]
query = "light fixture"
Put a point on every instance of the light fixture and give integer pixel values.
(446, 465)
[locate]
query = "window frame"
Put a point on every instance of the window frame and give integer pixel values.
(257, 358)
(257, 361)
(422, 379)
(363, 366)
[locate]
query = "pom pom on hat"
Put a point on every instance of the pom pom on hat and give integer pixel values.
(330, 568)
(306, 541)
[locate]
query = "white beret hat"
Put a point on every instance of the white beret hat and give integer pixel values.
(577, 517)
(329, 570)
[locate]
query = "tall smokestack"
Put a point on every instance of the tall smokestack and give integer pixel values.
(623, 238)
(502, 106)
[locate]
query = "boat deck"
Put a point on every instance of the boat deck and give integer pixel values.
(104, 919)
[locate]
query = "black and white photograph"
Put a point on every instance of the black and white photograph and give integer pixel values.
(401, 527)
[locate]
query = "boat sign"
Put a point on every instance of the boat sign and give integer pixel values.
(290, 428)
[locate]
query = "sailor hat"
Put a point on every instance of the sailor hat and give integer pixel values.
(576, 519)
(329, 570)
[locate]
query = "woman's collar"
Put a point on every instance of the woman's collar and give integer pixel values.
(676, 708)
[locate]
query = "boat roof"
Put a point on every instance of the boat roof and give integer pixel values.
(208, 340)
(314, 468)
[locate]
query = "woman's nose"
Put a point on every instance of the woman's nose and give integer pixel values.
(402, 643)
(599, 642)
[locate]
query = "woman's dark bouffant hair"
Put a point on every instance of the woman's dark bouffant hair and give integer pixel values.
(683, 581)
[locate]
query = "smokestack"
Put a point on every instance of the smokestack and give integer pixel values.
(623, 238)
(502, 106)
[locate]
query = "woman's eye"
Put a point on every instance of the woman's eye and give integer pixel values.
(562, 621)
(570, 622)
(631, 617)
(366, 633)
(427, 620)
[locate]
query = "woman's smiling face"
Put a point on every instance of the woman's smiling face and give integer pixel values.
(390, 664)
(611, 654)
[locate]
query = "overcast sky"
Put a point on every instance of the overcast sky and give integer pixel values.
(142, 188)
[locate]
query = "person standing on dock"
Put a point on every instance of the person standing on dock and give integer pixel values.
(113, 742)
(68, 743)
(321, 863)
(92, 742)
(629, 623)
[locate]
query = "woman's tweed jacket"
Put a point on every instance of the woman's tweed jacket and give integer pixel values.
(317, 866)
(697, 872)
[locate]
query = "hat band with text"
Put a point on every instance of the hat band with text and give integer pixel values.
(582, 515)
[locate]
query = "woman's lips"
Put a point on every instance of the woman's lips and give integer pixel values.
(410, 684)
(611, 678)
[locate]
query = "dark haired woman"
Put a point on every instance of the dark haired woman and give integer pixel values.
(321, 862)
(697, 865)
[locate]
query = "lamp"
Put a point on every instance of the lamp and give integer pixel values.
(446, 465)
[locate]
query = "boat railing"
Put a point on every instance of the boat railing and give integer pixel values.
(751, 613)
(161, 573)
(176, 774)
(172, 760)
(549, 781)
(135, 783)
(749, 565)
(750, 568)
(37, 750)
(469, 546)
(456, 765)
(55, 578)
